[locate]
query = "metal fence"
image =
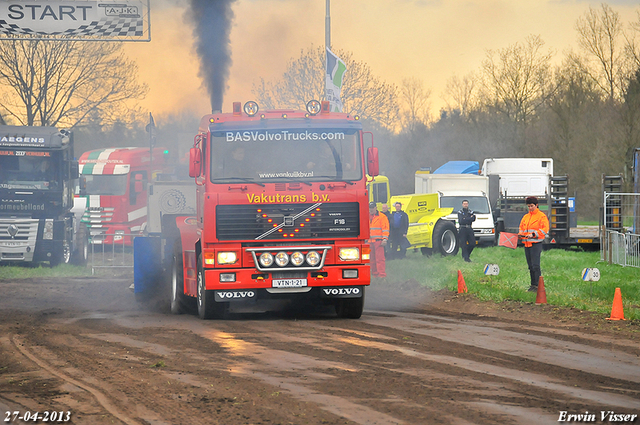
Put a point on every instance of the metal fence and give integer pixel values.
(117, 254)
(621, 242)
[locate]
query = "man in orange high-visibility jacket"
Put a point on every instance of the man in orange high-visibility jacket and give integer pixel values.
(378, 236)
(534, 227)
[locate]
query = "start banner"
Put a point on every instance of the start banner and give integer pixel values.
(124, 20)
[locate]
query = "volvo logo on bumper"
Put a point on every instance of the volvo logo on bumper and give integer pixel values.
(222, 296)
(343, 292)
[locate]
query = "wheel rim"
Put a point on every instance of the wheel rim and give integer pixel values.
(174, 282)
(448, 241)
(85, 250)
(66, 253)
(200, 289)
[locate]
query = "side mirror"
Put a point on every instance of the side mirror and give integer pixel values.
(74, 170)
(372, 162)
(195, 162)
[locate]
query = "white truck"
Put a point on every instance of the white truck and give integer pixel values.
(452, 189)
(520, 177)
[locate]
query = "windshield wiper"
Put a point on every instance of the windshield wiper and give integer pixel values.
(334, 181)
(298, 181)
(243, 179)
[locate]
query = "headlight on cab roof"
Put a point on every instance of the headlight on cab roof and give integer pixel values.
(225, 257)
(349, 254)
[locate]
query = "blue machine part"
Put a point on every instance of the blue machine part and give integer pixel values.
(147, 263)
(459, 167)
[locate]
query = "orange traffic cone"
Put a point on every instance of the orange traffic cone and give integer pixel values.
(462, 287)
(541, 296)
(617, 312)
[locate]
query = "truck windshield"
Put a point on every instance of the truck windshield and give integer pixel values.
(27, 171)
(284, 155)
(478, 204)
(104, 184)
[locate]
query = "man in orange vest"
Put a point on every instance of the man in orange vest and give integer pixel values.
(378, 237)
(534, 227)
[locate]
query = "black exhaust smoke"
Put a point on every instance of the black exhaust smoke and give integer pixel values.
(212, 24)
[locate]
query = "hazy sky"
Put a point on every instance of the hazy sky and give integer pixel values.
(431, 40)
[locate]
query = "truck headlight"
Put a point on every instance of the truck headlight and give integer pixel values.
(266, 259)
(282, 259)
(349, 254)
(227, 257)
(118, 235)
(48, 230)
(313, 258)
(297, 258)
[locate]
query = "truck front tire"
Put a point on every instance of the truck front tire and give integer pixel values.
(350, 308)
(445, 238)
(208, 308)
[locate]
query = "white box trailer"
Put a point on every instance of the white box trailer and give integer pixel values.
(452, 190)
(520, 177)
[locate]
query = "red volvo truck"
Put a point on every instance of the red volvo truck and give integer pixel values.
(281, 212)
(114, 182)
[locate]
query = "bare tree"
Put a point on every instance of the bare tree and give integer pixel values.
(632, 47)
(599, 37)
(362, 93)
(51, 83)
(461, 93)
(415, 103)
(517, 79)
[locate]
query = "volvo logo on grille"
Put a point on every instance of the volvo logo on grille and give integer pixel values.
(12, 230)
(289, 221)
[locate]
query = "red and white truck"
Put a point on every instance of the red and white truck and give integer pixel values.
(114, 182)
(281, 212)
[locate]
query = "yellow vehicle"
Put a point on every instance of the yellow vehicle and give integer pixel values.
(429, 229)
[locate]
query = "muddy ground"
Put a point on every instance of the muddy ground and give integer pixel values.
(86, 347)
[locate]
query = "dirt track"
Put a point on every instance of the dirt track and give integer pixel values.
(85, 346)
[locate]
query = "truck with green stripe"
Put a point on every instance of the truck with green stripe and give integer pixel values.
(114, 182)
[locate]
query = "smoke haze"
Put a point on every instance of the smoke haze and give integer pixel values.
(212, 25)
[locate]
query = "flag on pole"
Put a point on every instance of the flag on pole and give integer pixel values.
(335, 74)
(151, 129)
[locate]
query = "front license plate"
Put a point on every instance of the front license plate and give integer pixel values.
(289, 283)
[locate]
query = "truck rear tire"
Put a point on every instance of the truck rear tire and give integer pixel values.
(350, 308)
(178, 301)
(445, 238)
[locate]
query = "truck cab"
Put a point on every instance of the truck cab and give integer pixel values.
(281, 214)
(37, 178)
(114, 182)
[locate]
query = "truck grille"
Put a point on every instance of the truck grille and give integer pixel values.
(287, 221)
(96, 218)
(11, 230)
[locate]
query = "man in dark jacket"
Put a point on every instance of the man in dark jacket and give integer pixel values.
(465, 234)
(398, 228)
